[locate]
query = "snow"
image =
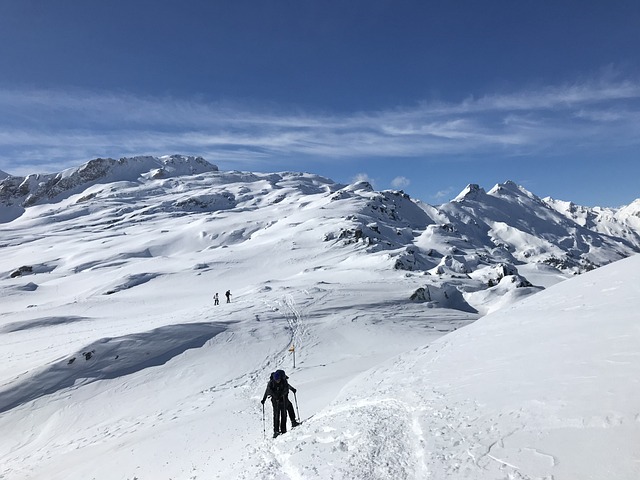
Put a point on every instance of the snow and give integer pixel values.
(630, 214)
(117, 365)
(546, 388)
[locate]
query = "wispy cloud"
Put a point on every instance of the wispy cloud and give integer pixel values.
(39, 128)
(400, 182)
(443, 194)
(363, 177)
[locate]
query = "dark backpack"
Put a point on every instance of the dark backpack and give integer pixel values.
(279, 388)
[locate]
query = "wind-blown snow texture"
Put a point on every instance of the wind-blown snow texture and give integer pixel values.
(117, 365)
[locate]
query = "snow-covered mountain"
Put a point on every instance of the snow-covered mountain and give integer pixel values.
(118, 365)
(630, 214)
(534, 230)
(23, 192)
(619, 223)
(479, 240)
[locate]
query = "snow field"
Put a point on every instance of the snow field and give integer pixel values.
(542, 388)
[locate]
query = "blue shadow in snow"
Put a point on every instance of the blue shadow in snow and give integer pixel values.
(110, 358)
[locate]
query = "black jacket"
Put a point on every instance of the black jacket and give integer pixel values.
(278, 391)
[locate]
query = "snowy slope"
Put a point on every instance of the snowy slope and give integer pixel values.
(630, 215)
(529, 230)
(18, 193)
(620, 223)
(117, 364)
(547, 388)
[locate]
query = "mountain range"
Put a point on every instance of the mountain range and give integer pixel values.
(468, 253)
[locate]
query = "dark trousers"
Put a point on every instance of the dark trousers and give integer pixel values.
(280, 409)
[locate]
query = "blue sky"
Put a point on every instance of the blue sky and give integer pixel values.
(426, 96)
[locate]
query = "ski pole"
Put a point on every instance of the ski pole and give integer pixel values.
(264, 429)
(296, 399)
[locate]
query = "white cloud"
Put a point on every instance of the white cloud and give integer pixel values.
(400, 182)
(600, 114)
(363, 177)
(443, 194)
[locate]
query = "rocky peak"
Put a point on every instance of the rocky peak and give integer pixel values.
(36, 188)
(471, 192)
(509, 188)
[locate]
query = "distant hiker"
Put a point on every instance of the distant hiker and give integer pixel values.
(278, 389)
(215, 299)
(228, 295)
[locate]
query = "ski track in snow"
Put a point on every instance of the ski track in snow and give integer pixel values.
(426, 435)
(367, 439)
(273, 456)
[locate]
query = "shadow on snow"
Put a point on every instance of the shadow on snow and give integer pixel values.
(110, 358)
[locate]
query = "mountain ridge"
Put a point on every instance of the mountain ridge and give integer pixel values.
(482, 245)
(33, 189)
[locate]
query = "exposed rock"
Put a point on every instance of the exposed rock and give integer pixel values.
(38, 188)
(21, 271)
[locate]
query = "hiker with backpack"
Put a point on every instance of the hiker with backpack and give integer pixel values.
(278, 389)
